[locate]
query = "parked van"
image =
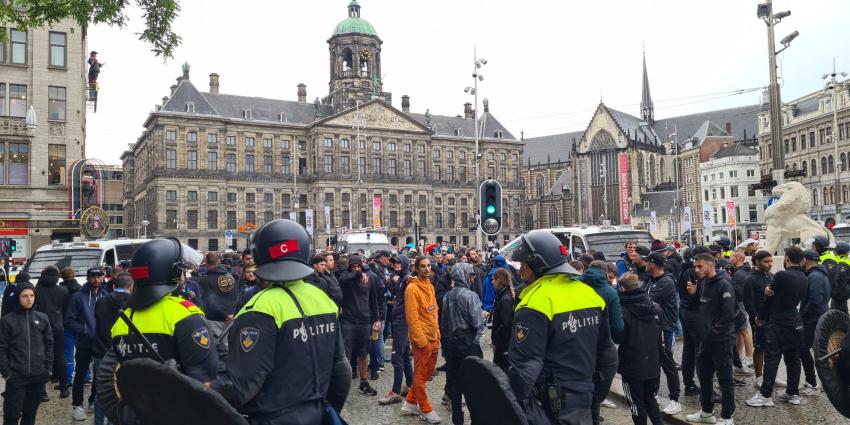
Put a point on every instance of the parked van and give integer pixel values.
(81, 256)
(369, 240)
(610, 240)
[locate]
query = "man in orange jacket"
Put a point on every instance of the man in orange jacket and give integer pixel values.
(420, 307)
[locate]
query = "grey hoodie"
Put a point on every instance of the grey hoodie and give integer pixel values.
(462, 320)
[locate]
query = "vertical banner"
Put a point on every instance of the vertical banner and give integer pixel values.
(623, 169)
(309, 221)
(328, 220)
(730, 214)
(376, 212)
(292, 216)
(707, 211)
(686, 220)
(583, 178)
(653, 224)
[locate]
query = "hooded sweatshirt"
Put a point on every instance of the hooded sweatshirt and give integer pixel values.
(598, 280)
(488, 290)
(420, 307)
(105, 315)
(220, 293)
(80, 318)
(638, 350)
(359, 300)
(461, 321)
(26, 342)
(52, 298)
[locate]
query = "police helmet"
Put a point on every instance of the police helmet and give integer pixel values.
(724, 242)
(544, 253)
(281, 251)
(820, 243)
(157, 268)
(842, 248)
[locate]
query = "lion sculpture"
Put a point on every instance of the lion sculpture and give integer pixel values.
(787, 218)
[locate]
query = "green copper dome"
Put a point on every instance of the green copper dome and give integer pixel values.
(354, 24)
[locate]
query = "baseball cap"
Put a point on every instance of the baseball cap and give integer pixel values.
(811, 254)
(94, 271)
(656, 258)
(642, 250)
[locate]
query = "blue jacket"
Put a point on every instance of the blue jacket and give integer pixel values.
(816, 302)
(624, 265)
(597, 280)
(488, 291)
(80, 318)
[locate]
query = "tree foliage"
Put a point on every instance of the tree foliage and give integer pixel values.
(159, 16)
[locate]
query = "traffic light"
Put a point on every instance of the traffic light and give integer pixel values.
(14, 245)
(491, 206)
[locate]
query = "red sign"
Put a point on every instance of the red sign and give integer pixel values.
(14, 227)
(730, 214)
(623, 169)
(283, 248)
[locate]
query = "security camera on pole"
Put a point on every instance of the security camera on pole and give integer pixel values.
(832, 85)
(476, 77)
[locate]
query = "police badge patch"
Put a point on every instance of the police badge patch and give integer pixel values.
(521, 332)
(226, 283)
(248, 338)
(201, 337)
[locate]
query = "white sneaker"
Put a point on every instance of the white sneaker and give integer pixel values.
(757, 383)
(747, 362)
(759, 401)
(79, 413)
(778, 383)
(729, 421)
(431, 417)
(409, 409)
(702, 418)
(657, 399)
(744, 371)
(790, 399)
(90, 408)
(609, 404)
(673, 407)
(810, 390)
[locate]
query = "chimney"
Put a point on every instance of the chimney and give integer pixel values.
(467, 110)
(302, 93)
(164, 100)
(728, 128)
(173, 89)
(405, 103)
(213, 83)
(486, 105)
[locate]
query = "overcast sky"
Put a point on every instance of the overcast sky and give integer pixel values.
(549, 62)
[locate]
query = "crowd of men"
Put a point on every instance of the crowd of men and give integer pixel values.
(561, 328)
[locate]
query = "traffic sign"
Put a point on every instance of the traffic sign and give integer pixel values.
(228, 233)
(228, 238)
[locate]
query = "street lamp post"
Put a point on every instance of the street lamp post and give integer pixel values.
(833, 84)
(765, 12)
(476, 77)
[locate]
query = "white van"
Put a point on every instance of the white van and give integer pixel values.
(610, 240)
(81, 256)
(369, 240)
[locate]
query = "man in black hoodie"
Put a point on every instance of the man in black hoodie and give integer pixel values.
(717, 337)
(739, 270)
(783, 330)
(662, 290)
(812, 308)
(758, 279)
(359, 315)
(323, 279)
(70, 283)
(26, 357)
(638, 351)
(8, 303)
(53, 301)
(689, 316)
(220, 294)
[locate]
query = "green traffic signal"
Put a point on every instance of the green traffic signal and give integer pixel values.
(491, 209)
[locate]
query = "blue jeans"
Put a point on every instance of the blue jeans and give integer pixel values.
(69, 354)
(376, 353)
(402, 361)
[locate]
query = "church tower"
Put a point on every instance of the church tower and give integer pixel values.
(647, 109)
(355, 60)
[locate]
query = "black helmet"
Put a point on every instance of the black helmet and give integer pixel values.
(282, 251)
(156, 268)
(724, 242)
(820, 243)
(842, 248)
(544, 253)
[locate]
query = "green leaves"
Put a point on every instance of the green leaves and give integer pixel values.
(159, 16)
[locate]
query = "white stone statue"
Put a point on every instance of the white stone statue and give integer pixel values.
(787, 218)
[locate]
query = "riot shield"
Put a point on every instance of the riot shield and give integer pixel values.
(834, 369)
(488, 394)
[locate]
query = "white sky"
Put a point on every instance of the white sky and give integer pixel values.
(549, 62)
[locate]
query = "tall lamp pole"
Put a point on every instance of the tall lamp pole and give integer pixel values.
(833, 84)
(765, 12)
(476, 77)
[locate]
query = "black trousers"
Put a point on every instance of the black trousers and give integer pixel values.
(82, 359)
(606, 368)
(690, 336)
(59, 370)
(806, 354)
(716, 358)
(21, 401)
(454, 358)
(640, 394)
(500, 357)
(668, 365)
(779, 346)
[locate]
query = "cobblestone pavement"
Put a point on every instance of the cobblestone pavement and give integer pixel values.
(813, 410)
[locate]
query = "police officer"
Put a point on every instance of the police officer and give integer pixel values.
(820, 243)
(559, 335)
(285, 345)
(175, 328)
(839, 276)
